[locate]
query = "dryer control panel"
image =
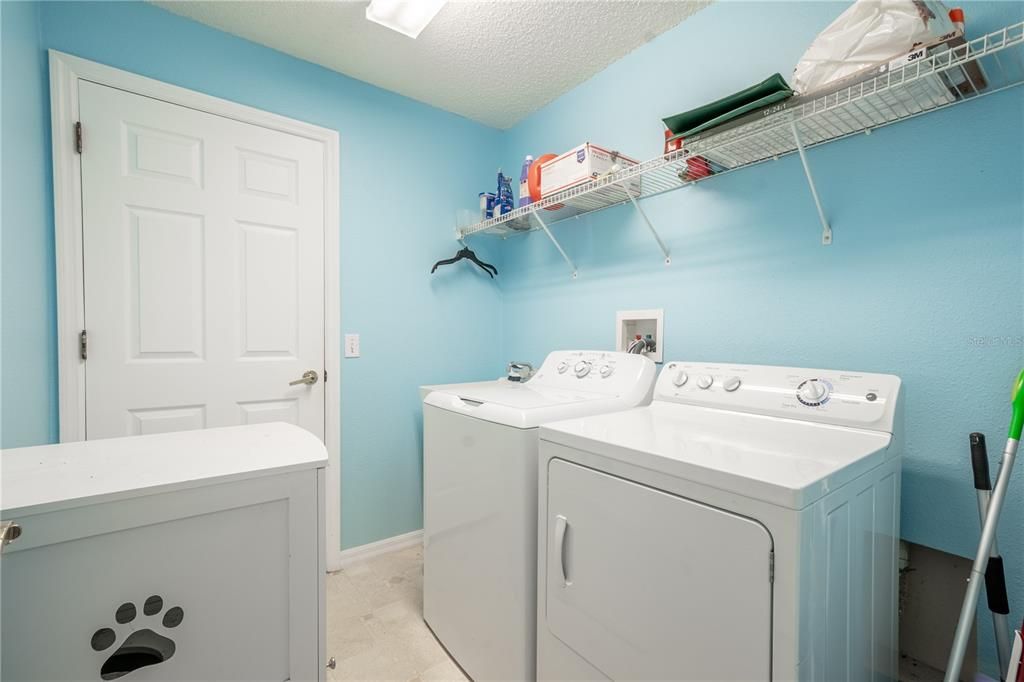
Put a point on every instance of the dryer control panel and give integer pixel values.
(856, 399)
(609, 372)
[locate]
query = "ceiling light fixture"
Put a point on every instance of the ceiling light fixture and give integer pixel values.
(408, 17)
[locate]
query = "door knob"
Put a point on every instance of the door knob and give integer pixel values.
(9, 532)
(309, 378)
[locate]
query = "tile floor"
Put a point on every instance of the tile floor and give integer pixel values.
(912, 670)
(375, 628)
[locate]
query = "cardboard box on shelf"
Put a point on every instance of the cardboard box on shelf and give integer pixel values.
(582, 164)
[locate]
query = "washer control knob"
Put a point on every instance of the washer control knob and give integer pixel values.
(705, 381)
(581, 369)
(562, 366)
(680, 378)
(812, 392)
(606, 370)
(731, 384)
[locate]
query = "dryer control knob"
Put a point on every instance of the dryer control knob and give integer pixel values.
(680, 378)
(562, 366)
(582, 368)
(606, 370)
(731, 384)
(705, 381)
(812, 392)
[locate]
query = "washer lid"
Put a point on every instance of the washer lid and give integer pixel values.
(786, 462)
(520, 396)
(522, 405)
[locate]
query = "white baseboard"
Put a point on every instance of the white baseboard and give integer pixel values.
(392, 544)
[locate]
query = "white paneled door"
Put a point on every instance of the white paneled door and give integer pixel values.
(203, 249)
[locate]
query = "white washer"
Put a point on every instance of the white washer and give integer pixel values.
(480, 500)
(743, 526)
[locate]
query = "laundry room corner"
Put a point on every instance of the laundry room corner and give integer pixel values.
(923, 278)
(493, 340)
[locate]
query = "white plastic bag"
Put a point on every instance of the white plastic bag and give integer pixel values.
(868, 33)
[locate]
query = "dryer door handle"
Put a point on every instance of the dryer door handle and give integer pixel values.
(561, 526)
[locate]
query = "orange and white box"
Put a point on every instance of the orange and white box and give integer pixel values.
(582, 164)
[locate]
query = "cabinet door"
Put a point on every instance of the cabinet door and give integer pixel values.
(216, 582)
(647, 585)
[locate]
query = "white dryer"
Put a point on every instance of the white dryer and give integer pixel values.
(743, 526)
(480, 500)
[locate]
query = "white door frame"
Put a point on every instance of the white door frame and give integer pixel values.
(65, 72)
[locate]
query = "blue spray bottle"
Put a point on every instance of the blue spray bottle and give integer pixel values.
(504, 200)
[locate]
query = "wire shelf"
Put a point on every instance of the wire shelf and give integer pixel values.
(979, 67)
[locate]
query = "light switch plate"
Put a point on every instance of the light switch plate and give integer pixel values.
(351, 345)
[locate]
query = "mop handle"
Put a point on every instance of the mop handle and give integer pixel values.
(995, 577)
(988, 535)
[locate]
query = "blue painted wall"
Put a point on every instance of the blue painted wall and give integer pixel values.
(28, 368)
(923, 280)
(404, 166)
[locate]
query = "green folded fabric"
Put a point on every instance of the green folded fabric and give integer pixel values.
(768, 91)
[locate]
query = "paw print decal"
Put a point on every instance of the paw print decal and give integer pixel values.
(142, 647)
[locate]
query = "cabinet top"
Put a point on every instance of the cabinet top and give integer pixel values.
(53, 477)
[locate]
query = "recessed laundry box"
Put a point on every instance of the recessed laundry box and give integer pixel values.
(184, 556)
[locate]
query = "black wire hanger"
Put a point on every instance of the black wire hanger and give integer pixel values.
(465, 253)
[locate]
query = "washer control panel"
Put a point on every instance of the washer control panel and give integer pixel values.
(856, 399)
(598, 371)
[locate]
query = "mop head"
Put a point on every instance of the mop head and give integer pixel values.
(1017, 400)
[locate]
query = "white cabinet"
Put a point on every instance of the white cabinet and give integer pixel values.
(185, 556)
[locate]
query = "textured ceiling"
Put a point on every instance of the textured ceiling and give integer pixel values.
(492, 61)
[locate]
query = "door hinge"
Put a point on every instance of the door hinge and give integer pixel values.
(78, 137)
(771, 566)
(325, 376)
(83, 345)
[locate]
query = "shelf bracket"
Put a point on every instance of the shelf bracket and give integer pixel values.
(657, 237)
(543, 226)
(826, 229)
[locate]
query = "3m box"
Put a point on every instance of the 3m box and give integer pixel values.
(582, 164)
